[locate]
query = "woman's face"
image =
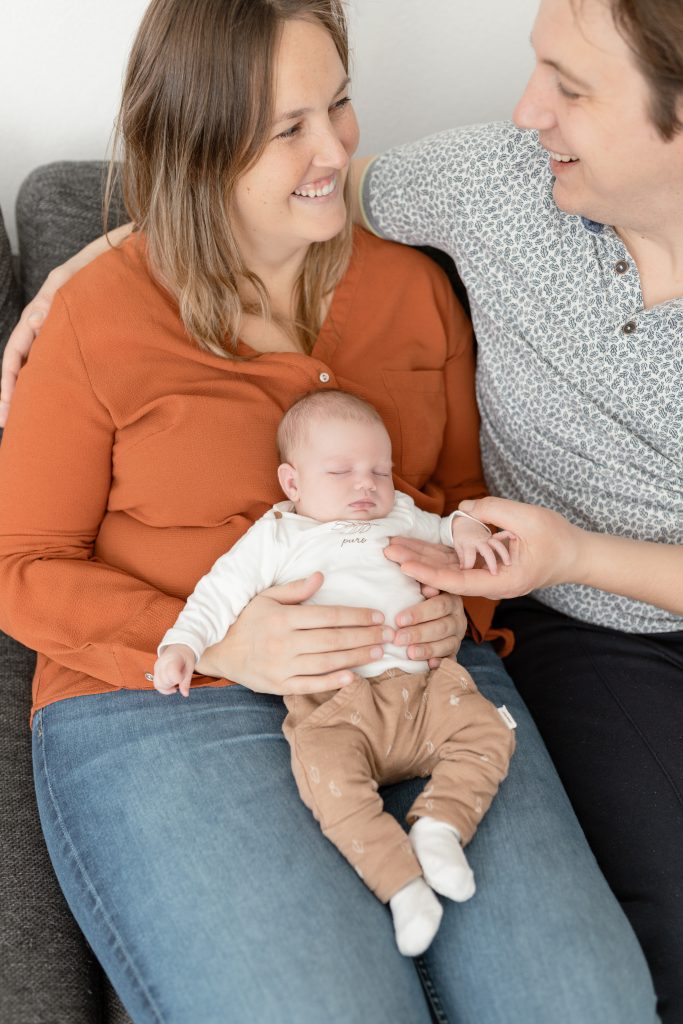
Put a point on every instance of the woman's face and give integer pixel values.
(294, 194)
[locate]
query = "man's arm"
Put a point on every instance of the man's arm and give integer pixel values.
(551, 551)
(357, 173)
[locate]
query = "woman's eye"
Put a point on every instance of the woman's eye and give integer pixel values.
(289, 133)
(340, 104)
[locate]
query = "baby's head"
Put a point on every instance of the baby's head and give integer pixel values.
(336, 458)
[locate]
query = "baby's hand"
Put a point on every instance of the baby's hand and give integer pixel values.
(173, 669)
(472, 539)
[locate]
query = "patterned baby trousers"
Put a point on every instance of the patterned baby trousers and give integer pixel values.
(379, 731)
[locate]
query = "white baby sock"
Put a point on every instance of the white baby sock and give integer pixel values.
(443, 862)
(417, 916)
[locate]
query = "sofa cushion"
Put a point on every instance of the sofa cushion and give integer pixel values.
(59, 210)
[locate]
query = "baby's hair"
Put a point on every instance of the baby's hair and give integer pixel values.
(331, 404)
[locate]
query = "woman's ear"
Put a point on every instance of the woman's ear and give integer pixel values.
(289, 481)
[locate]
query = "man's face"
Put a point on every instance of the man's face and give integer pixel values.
(589, 103)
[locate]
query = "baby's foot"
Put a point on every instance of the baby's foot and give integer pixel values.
(417, 916)
(443, 862)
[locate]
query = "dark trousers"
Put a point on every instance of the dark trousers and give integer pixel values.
(609, 706)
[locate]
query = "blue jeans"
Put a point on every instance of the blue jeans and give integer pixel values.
(210, 895)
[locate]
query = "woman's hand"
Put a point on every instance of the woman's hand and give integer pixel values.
(546, 550)
(34, 314)
(278, 646)
(433, 629)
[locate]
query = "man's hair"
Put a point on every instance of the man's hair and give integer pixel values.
(196, 113)
(654, 31)
(332, 404)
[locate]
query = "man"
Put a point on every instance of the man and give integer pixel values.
(568, 233)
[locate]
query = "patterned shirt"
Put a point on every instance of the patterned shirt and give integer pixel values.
(580, 388)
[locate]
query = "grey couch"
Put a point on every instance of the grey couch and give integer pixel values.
(48, 974)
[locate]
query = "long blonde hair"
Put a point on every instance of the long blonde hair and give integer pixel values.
(196, 112)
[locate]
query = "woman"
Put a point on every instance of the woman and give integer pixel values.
(176, 831)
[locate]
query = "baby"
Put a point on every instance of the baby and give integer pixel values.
(396, 719)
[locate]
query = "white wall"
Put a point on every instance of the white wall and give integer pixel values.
(419, 65)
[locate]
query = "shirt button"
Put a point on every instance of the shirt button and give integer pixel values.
(324, 378)
(149, 677)
(629, 327)
(621, 267)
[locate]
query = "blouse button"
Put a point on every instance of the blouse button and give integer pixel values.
(621, 267)
(149, 677)
(629, 327)
(324, 378)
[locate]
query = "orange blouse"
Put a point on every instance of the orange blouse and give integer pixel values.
(132, 459)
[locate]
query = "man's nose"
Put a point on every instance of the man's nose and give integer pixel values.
(534, 108)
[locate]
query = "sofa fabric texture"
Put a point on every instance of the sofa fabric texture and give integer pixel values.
(48, 974)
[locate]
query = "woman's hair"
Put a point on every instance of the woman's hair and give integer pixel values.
(316, 405)
(654, 31)
(196, 112)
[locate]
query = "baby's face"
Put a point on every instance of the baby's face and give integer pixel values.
(340, 470)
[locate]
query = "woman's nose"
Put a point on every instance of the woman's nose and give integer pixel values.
(330, 149)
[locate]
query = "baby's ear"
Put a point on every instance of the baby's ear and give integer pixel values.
(289, 481)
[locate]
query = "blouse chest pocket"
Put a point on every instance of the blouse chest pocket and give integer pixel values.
(419, 400)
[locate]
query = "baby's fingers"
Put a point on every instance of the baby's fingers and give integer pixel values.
(501, 548)
(485, 549)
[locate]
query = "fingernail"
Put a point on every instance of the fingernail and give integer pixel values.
(376, 653)
(401, 639)
(466, 506)
(36, 316)
(345, 678)
(387, 635)
(377, 617)
(404, 619)
(418, 652)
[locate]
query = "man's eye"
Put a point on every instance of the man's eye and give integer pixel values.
(567, 93)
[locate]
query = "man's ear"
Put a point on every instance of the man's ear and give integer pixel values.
(289, 480)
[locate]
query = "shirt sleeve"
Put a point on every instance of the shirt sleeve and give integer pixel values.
(412, 193)
(454, 190)
(56, 596)
(235, 578)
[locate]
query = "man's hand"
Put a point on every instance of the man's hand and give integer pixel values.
(546, 550)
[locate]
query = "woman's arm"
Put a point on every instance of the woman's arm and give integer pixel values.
(33, 316)
(552, 551)
(55, 476)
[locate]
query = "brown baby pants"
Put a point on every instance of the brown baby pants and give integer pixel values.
(378, 731)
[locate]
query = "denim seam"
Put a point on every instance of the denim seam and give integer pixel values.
(118, 946)
(629, 719)
(430, 991)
